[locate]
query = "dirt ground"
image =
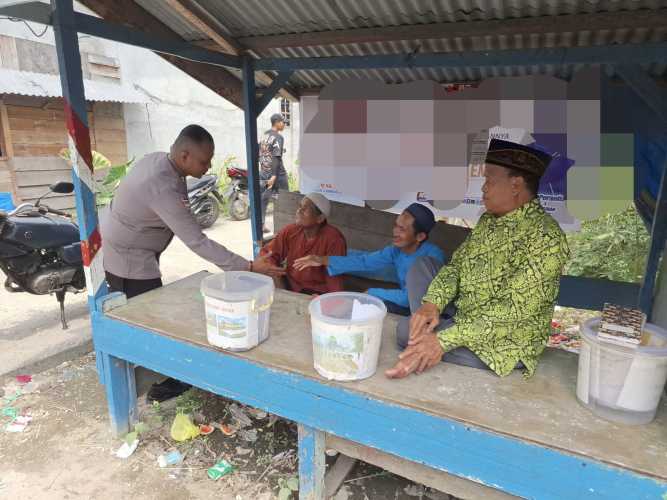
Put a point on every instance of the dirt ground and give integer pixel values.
(67, 450)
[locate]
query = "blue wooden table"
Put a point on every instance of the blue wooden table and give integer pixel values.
(462, 430)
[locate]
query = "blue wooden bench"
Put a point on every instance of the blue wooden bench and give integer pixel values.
(460, 430)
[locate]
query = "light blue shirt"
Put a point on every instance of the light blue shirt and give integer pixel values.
(376, 261)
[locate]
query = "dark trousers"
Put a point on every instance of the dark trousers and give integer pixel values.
(418, 279)
(144, 378)
(280, 184)
(131, 287)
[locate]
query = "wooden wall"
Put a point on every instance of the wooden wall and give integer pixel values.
(36, 129)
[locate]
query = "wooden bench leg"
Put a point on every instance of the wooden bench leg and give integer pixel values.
(337, 474)
(311, 463)
(121, 392)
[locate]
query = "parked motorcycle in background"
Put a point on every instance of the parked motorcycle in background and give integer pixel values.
(204, 199)
(40, 250)
(236, 194)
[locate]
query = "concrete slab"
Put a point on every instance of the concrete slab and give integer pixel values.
(31, 338)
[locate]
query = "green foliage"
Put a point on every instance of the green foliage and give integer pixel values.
(614, 247)
(188, 402)
(293, 181)
(287, 486)
(106, 187)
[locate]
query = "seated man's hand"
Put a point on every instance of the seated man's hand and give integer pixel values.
(264, 265)
(423, 320)
(310, 261)
(425, 353)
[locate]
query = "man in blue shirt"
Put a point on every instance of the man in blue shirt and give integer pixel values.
(410, 233)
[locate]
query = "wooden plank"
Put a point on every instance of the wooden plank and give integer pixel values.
(336, 475)
(8, 53)
(42, 178)
(33, 113)
(191, 13)
(37, 150)
(440, 480)
(511, 28)
(5, 130)
(542, 410)
(28, 164)
(110, 135)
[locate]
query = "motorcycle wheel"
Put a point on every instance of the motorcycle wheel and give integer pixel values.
(208, 213)
(239, 209)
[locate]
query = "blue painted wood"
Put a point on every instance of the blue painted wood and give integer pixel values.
(312, 464)
(590, 293)
(40, 13)
(658, 239)
(603, 54)
(278, 83)
(509, 464)
(121, 392)
(252, 153)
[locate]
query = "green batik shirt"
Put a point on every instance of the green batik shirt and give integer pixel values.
(504, 280)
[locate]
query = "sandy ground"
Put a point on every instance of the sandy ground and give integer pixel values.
(30, 329)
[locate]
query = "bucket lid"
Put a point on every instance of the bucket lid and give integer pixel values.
(237, 286)
(656, 348)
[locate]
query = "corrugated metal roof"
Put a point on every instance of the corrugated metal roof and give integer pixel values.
(43, 85)
(275, 17)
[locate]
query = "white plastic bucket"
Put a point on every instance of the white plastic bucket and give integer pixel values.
(238, 307)
(618, 383)
(347, 333)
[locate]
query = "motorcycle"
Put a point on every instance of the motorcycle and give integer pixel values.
(40, 250)
(204, 199)
(236, 194)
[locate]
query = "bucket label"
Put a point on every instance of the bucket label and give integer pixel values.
(228, 324)
(344, 352)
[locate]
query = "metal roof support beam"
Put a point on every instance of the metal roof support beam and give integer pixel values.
(262, 102)
(645, 87)
(571, 23)
(658, 240)
(603, 54)
(252, 153)
(192, 12)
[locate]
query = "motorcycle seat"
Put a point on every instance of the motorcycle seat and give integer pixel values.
(193, 183)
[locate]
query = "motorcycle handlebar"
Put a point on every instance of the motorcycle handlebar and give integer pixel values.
(58, 212)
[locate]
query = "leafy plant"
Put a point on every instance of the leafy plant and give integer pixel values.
(188, 402)
(106, 187)
(614, 246)
(287, 487)
(293, 181)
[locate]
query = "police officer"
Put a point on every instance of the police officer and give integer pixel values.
(151, 206)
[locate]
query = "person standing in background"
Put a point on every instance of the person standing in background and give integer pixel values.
(272, 173)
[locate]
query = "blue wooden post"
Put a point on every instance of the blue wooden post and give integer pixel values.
(121, 392)
(76, 117)
(252, 151)
(658, 239)
(311, 463)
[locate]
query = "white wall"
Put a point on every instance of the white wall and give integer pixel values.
(176, 99)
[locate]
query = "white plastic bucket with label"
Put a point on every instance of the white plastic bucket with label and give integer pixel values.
(238, 307)
(347, 333)
(622, 384)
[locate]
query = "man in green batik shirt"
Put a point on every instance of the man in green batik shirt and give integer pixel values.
(503, 280)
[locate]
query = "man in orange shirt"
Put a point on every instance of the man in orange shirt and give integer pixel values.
(310, 235)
